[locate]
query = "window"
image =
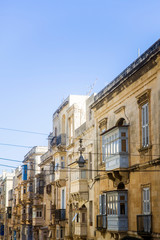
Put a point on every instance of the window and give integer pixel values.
(83, 217)
(61, 233)
(63, 199)
(39, 213)
(24, 190)
(62, 162)
(102, 204)
(56, 166)
(77, 217)
(114, 142)
(90, 213)
(56, 163)
(112, 205)
(83, 174)
(44, 211)
(146, 200)
(90, 165)
(145, 125)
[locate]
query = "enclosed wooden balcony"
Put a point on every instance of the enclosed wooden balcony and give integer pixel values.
(79, 186)
(37, 221)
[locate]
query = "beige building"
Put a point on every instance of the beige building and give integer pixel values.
(80, 182)
(54, 169)
(6, 184)
(127, 124)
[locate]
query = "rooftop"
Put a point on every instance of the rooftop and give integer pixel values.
(131, 69)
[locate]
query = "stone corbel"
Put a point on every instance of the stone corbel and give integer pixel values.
(103, 123)
(143, 97)
(119, 176)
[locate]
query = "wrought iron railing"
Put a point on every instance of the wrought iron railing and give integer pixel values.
(58, 140)
(60, 214)
(101, 222)
(144, 224)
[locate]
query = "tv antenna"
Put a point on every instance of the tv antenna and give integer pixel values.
(91, 87)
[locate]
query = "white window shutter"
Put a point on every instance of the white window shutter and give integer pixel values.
(145, 125)
(146, 200)
(104, 204)
(100, 204)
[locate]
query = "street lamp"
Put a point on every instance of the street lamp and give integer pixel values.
(81, 160)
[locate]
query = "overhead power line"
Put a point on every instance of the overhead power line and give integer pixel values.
(73, 138)
(23, 131)
(3, 165)
(10, 160)
(14, 145)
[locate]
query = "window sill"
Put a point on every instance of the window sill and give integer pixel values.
(145, 149)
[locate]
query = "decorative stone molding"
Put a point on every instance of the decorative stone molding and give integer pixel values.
(119, 110)
(143, 97)
(119, 176)
(103, 123)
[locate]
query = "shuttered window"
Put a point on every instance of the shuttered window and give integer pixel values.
(145, 125)
(146, 200)
(102, 204)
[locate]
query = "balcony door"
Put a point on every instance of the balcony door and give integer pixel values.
(63, 200)
(146, 209)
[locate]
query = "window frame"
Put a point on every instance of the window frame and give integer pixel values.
(145, 125)
(146, 203)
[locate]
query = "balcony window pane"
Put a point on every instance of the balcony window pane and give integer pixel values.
(122, 208)
(122, 198)
(123, 145)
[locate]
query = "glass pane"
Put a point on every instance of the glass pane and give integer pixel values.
(122, 208)
(147, 114)
(122, 197)
(123, 134)
(116, 211)
(123, 145)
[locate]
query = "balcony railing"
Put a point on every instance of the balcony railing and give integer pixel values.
(40, 190)
(101, 222)
(144, 224)
(60, 214)
(59, 140)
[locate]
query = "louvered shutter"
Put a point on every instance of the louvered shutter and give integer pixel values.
(100, 204)
(146, 201)
(104, 205)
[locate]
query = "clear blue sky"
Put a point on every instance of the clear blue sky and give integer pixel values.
(50, 49)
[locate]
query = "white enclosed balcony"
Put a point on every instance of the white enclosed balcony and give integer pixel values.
(115, 148)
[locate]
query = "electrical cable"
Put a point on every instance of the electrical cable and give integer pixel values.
(72, 138)
(14, 145)
(23, 131)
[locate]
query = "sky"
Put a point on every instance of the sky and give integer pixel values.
(50, 49)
